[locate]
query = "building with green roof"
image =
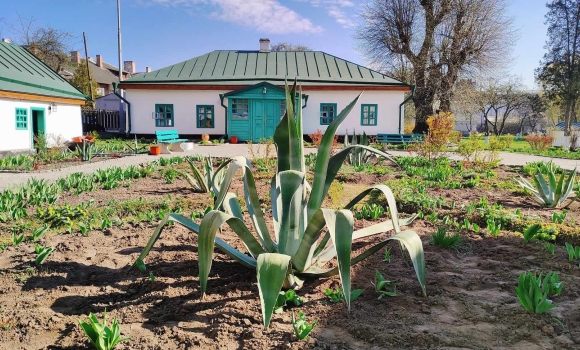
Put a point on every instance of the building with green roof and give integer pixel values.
(241, 93)
(33, 100)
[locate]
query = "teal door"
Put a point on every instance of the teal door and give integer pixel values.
(258, 120)
(265, 115)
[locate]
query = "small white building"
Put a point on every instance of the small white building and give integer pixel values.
(33, 100)
(241, 93)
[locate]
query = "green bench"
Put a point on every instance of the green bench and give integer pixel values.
(166, 138)
(399, 138)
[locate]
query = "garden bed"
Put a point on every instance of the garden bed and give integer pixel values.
(471, 299)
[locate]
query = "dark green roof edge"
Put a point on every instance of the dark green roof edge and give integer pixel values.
(79, 95)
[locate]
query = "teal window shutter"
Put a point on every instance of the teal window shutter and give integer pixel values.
(21, 119)
(205, 116)
(327, 113)
(163, 115)
(368, 114)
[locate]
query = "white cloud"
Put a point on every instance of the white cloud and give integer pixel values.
(268, 16)
(335, 9)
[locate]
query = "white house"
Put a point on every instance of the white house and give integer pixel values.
(34, 99)
(241, 93)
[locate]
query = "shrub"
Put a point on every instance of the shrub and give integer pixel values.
(317, 138)
(440, 133)
(539, 142)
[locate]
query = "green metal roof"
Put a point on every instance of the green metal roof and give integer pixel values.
(249, 67)
(21, 72)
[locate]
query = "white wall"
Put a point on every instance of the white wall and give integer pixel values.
(66, 122)
(387, 114)
(184, 102)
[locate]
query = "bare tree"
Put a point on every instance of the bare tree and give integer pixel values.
(466, 109)
(286, 46)
(48, 44)
(498, 101)
(532, 111)
(441, 39)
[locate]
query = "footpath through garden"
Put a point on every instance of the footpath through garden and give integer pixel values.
(8, 179)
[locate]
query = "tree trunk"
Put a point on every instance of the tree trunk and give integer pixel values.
(423, 101)
(568, 117)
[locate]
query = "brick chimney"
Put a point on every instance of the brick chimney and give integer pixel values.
(265, 45)
(100, 61)
(75, 57)
(129, 66)
(147, 69)
(6, 40)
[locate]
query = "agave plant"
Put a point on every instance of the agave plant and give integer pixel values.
(306, 237)
(203, 182)
(550, 193)
(358, 156)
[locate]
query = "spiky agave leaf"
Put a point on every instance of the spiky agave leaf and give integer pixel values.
(272, 269)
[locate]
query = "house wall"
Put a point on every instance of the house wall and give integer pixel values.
(185, 101)
(65, 122)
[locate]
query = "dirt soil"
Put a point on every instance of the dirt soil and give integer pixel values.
(471, 301)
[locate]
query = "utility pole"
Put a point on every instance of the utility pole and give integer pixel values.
(119, 39)
(88, 71)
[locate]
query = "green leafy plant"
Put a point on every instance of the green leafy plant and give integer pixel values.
(299, 248)
(151, 277)
(336, 296)
(358, 156)
(443, 239)
(288, 298)
(100, 335)
(42, 253)
(531, 232)
(573, 252)
(387, 257)
(301, 327)
(559, 218)
(17, 238)
(533, 292)
(550, 193)
(549, 247)
(384, 287)
(39, 232)
(210, 180)
(492, 227)
(86, 152)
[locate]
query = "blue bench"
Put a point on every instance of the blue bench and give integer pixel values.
(166, 138)
(399, 138)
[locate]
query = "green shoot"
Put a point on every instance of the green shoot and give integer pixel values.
(288, 298)
(301, 328)
(387, 257)
(42, 253)
(533, 292)
(151, 277)
(336, 296)
(444, 240)
(101, 336)
(493, 228)
(531, 232)
(573, 252)
(559, 218)
(384, 287)
(16, 239)
(549, 247)
(39, 232)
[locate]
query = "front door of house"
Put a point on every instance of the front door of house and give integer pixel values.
(38, 123)
(265, 115)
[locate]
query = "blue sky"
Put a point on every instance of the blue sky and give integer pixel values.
(158, 33)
